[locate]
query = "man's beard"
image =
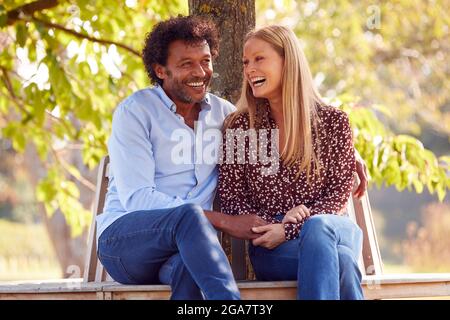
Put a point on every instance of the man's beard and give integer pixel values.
(180, 91)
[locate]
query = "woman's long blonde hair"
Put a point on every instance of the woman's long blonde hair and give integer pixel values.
(299, 96)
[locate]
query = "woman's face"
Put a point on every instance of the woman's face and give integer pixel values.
(263, 68)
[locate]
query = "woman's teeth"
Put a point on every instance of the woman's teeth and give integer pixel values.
(258, 81)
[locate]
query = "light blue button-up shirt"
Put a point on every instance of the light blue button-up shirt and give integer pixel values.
(156, 160)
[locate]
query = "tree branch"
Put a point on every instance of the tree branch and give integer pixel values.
(85, 36)
(65, 166)
(10, 89)
(29, 9)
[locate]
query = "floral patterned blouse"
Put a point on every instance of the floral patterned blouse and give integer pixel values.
(251, 184)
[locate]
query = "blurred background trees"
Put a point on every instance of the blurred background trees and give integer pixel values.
(65, 65)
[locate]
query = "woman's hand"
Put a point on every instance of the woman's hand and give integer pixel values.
(296, 214)
(363, 175)
(272, 235)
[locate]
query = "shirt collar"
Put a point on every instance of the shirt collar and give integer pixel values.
(204, 104)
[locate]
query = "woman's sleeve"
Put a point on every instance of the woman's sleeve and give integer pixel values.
(340, 173)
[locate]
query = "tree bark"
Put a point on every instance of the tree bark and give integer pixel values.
(29, 9)
(233, 19)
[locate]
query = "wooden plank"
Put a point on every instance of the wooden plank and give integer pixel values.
(100, 295)
(137, 292)
(238, 261)
(100, 273)
(407, 290)
(50, 286)
(370, 250)
(117, 287)
(287, 290)
(140, 295)
(393, 286)
(61, 289)
(90, 269)
(269, 294)
(352, 215)
(49, 296)
(399, 278)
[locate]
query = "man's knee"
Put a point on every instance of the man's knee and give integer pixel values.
(190, 211)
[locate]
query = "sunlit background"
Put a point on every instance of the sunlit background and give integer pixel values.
(391, 55)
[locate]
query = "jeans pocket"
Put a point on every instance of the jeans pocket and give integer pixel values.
(116, 269)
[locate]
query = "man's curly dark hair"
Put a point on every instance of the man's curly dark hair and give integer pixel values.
(190, 29)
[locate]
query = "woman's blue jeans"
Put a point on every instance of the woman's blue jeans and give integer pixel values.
(323, 259)
(176, 246)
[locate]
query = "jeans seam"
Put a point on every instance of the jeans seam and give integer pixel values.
(272, 255)
(119, 261)
(132, 234)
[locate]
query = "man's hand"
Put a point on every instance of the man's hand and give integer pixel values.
(296, 214)
(241, 226)
(273, 235)
(363, 175)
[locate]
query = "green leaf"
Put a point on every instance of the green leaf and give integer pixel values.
(417, 185)
(440, 189)
(3, 16)
(19, 141)
(70, 188)
(21, 34)
(46, 190)
(32, 50)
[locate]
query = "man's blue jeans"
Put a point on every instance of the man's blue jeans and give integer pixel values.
(323, 259)
(176, 246)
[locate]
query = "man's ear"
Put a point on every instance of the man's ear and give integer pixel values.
(160, 71)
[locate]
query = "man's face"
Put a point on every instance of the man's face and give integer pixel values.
(188, 71)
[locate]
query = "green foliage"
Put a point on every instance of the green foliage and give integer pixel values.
(398, 160)
(63, 70)
(393, 53)
(3, 16)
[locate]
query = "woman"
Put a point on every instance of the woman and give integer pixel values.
(302, 195)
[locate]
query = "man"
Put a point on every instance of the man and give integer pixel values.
(157, 226)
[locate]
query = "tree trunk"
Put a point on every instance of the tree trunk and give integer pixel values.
(69, 251)
(233, 19)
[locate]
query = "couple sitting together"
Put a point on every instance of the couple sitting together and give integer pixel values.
(283, 171)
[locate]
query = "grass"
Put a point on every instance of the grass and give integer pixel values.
(26, 253)
(396, 268)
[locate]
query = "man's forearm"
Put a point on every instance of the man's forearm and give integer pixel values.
(219, 220)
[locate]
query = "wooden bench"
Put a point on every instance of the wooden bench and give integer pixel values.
(376, 285)
(96, 283)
